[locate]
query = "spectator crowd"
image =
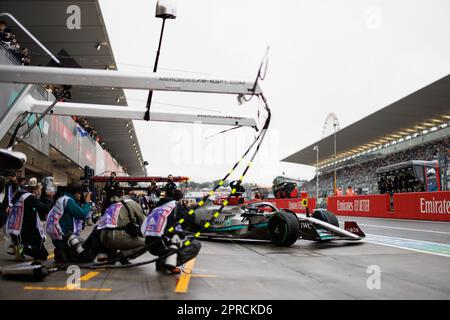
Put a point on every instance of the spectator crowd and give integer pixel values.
(9, 42)
(362, 174)
(89, 130)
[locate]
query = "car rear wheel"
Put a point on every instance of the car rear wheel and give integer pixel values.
(283, 229)
(326, 216)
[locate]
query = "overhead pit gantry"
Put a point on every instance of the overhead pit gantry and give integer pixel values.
(32, 76)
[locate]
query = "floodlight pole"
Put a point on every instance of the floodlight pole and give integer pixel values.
(155, 68)
(316, 148)
(335, 179)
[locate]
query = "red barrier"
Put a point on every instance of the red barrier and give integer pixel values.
(374, 205)
(294, 204)
(433, 206)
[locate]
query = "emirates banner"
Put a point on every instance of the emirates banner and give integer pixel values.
(433, 206)
(375, 205)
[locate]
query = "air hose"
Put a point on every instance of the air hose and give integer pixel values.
(257, 141)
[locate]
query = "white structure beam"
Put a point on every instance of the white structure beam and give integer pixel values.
(120, 112)
(124, 80)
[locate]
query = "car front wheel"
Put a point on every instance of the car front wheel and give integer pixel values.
(283, 229)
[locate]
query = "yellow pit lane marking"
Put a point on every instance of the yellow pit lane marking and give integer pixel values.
(88, 276)
(183, 281)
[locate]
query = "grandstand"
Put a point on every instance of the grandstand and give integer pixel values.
(416, 127)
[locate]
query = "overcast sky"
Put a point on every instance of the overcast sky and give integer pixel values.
(349, 57)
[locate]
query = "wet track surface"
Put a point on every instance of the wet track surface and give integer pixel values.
(413, 257)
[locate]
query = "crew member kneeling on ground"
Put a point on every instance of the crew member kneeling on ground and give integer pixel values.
(24, 222)
(118, 232)
(64, 224)
(161, 242)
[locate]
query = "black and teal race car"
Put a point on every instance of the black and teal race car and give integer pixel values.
(282, 227)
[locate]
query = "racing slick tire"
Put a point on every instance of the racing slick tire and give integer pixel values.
(326, 216)
(283, 229)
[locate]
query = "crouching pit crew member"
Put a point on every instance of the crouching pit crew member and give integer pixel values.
(161, 242)
(64, 223)
(118, 232)
(24, 221)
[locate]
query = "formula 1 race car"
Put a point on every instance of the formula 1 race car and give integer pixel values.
(264, 221)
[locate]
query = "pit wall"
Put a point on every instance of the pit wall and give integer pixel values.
(432, 206)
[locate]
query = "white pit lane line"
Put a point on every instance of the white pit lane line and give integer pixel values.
(434, 248)
(397, 219)
(401, 228)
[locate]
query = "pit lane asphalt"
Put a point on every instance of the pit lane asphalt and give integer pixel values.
(256, 270)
